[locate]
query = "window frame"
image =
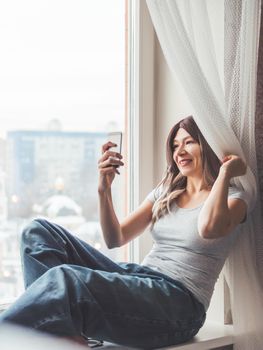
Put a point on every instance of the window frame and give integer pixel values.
(140, 111)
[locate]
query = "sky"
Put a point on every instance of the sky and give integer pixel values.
(61, 59)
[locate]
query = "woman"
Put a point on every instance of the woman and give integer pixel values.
(73, 290)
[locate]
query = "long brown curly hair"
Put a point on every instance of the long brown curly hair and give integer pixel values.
(173, 182)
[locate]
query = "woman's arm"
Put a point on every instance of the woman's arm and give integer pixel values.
(220, 215)
(116, 234)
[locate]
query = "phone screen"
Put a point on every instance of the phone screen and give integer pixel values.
(116, 137)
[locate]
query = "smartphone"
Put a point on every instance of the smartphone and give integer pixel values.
(116, 137)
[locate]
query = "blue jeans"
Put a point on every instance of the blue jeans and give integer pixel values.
(72, 289)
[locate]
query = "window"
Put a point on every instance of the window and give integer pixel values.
(62, 87)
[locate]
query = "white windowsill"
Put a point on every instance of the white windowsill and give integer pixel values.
(211, 336)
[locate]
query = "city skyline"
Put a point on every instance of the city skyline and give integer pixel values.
(53, 175)
(56, 125)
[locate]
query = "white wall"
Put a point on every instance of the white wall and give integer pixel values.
(171, 105)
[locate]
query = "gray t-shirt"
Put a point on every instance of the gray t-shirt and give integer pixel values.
(182, 254)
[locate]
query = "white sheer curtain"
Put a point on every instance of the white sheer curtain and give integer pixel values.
(224, 109)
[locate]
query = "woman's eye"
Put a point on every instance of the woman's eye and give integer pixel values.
(175, 146)
(189, 142)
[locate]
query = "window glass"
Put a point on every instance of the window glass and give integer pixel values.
(62, 88)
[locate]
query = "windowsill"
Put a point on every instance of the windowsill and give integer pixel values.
(211, 336)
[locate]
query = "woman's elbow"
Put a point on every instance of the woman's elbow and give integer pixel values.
(205, 232)
(113, 239)
(112, 245)
(216, 230)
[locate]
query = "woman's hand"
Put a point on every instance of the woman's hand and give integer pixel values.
(233, 166)
(108, 164)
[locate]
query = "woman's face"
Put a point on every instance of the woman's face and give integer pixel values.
(187, 154)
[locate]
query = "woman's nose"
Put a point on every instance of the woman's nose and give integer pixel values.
(181, 149)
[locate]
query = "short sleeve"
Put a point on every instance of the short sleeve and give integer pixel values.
(154, 194)
(237, 193)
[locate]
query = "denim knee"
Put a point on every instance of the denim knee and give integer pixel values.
(65, 284)
(29, 230)
(64, 272)
(39, 231)
(56, 272)
(58, 278)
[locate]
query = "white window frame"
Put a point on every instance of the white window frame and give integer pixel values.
(140, 114)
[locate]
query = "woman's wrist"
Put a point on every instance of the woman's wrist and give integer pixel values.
(104, 191)
(223, 173)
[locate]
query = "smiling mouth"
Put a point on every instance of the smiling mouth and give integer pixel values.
(185, 162)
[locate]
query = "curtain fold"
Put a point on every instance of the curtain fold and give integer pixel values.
(223, 101)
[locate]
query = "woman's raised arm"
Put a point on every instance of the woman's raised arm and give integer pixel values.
(116, 234)
(220, 215)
